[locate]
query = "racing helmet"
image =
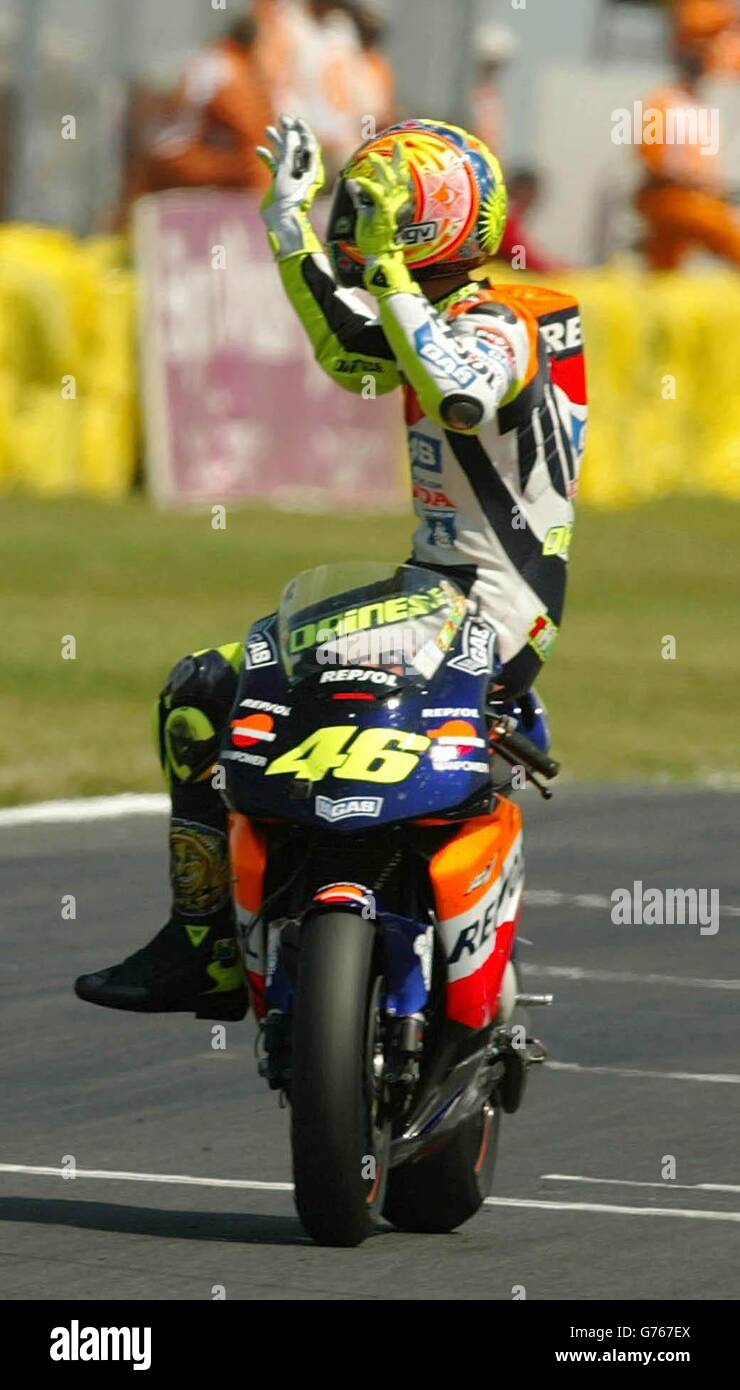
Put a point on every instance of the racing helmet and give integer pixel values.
(456, 211)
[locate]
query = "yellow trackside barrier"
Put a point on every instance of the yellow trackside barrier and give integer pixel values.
(662, 363)
(68, 390)
(663, 384)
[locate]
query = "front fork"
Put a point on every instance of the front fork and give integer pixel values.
(407, 947)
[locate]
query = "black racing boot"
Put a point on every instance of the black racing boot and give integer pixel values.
(188, 966)
(193, 963)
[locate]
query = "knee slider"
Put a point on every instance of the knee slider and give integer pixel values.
(193, 709)
(207, 681)
(189, 743)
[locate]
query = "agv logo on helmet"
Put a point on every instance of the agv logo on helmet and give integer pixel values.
(418, 233)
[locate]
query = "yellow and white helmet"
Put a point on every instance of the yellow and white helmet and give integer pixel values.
(456, 211)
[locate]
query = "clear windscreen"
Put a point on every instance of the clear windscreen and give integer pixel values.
(396, 618)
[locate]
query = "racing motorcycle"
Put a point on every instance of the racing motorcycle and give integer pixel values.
(377, 879)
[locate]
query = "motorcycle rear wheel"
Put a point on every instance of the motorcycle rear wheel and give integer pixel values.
(340, 1134)
(439, 1192)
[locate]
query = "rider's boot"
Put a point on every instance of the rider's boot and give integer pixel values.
(193, 963)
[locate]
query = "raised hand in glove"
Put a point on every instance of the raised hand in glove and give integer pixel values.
(297, 169)
(379, 198)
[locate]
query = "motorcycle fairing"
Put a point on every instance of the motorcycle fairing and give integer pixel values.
(248, 857)
(309, 725)
(477, 878)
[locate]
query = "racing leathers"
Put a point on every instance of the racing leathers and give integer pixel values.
(494, 394)
(494, 443)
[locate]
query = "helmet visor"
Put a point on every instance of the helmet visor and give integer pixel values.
(340, 236)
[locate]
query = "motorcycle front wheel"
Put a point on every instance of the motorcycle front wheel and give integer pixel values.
(339, 1131)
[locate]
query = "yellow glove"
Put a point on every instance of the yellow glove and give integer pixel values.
(379, 198)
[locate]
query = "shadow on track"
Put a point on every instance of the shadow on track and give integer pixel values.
(233, 1228)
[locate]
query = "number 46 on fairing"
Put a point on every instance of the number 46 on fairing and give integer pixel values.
(366, 755)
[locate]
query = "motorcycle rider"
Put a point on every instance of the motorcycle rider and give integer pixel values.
(495, 410)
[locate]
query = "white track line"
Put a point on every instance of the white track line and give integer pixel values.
(143, 1177)
(632, 1182)
(288, 1187)
(551, 897)
(715, 1078)
(622, 977)
(616, 1211)
(86, 809)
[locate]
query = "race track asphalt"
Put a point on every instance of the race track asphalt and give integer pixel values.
(655, 1007)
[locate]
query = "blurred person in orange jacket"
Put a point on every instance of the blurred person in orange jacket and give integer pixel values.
(321, 57)
(310, 50)
(332, 79)
(220, 107)
(682, 198)
(712, 28)
(274, 46)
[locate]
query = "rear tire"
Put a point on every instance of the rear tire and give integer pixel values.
(340, 1135)
(440, 1192)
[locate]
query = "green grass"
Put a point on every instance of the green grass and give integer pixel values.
(138, 588)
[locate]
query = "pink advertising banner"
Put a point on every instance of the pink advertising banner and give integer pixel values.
(235, 405)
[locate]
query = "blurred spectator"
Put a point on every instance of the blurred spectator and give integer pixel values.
(275, 45)
(319, 59)
(337, 115)
(711, 29)
(517, 247)
(310, 50)
(376, 83)
(682, 198)
(495, 47)
(219, 112)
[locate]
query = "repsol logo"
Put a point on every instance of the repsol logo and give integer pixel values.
(471, 938)
(475, 938)
(564, 335)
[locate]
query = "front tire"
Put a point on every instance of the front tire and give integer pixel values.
(441, 1191)
(340, 1135)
